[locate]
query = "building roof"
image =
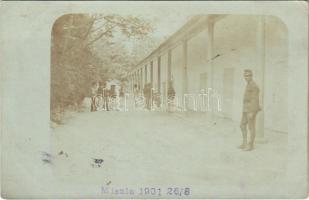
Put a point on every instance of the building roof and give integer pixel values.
(195, 25)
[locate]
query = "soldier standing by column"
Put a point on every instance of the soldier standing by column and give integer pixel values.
(105, 96)
(250, 109)
(147, 95)
(94, 90)
(171, 97)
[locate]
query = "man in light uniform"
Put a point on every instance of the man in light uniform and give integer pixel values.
(94, 91)
(250, 109)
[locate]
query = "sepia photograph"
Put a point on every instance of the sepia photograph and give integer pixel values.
(117, 77)
(158, 103)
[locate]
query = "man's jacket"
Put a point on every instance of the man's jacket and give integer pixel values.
(251, 98)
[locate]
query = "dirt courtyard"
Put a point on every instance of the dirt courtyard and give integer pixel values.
(142, 148)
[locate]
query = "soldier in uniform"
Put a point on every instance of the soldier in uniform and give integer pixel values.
(105, 93)
(135, 94)
(250, 109)
(94, 90)
(147, 95)
(170, 97)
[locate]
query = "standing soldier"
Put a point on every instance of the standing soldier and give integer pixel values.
(135, 94)
(170, 97)
(104, 92)
(106, 97)
(147, 95)
(250, 109)
(113, 97)
(94, 90)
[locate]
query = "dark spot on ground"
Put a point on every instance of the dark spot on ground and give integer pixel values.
(47, 161)
(97, 162)
(46, 154)
(46, 157)
(216, 56)
(63, 153)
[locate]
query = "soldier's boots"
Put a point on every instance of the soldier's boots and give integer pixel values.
(243, 145)
(250, 147)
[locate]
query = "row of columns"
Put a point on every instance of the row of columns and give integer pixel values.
(133, 77)
(140, 76)
(137, 76)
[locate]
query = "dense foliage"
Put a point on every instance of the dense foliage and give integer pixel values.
(86, 48)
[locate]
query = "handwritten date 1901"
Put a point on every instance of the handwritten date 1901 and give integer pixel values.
(170, 191)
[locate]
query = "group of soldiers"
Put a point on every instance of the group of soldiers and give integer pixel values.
(251, 104)
(152, 98)
(100, 92)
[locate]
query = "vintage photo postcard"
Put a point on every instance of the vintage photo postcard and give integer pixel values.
(149, 100)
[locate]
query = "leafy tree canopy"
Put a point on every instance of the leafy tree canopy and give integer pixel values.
(87, 48)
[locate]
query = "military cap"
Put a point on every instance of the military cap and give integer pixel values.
(248, 72)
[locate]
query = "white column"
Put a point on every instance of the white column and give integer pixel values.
(260, 47)
(169, 66)
(132, 81)
(151, 73)
(210, 50)
(185, 72)
(142, 77)
(159, 74)
(146, 74)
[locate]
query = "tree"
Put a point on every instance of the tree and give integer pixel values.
(84, 49)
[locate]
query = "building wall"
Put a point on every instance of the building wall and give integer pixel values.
(235, 44)
(197, 60)
(176, 70)
(148, 72)
(142, 74)
(197, 65)
(235, 48)
(276, 92)
(164, 75)
(155, 73)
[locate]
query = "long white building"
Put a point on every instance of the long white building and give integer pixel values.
(211, 51)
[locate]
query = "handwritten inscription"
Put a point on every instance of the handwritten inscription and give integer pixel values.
(148, 191)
